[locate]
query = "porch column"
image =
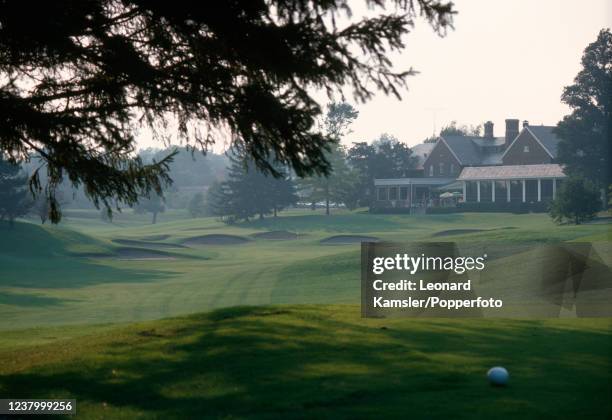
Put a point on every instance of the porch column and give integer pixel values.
(464, 192)
(411, 196)
(478, 191)
(493, 191)
(523, 182)
(539, 189)
(554, 188)
(508, 191)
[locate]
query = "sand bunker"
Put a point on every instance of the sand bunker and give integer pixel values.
(93, 255)
(348, 239)
(155, 237)
(216, 239)
(452, 232)
(146, 244)
(141, 254)
(276, 235)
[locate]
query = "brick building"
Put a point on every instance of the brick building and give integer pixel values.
(518, 169)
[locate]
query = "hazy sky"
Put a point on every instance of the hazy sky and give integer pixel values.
(505, 59)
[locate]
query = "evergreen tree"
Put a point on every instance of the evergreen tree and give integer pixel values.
(218, 201)
(248, 192)
(14, 194)
(197, 205)
(78, 76)
(282, 191)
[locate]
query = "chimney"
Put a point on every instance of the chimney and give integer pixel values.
(488, 130)
(512, 130)
(525, 123)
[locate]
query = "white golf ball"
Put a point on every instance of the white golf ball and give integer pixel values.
(498, 376)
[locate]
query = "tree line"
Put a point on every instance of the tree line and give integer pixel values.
(350, 183)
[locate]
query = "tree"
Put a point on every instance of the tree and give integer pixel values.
(14, 195)
(218, 201)
(453, 129)
(386, 157)
(78, 77)
(584, 148)
(197, 205)
(577, 200)
(153, 204)
(337, 187)
(248, 191)
(282, 192)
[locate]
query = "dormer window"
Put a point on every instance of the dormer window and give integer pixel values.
(431, 169)
(441, 169)
(526, 149)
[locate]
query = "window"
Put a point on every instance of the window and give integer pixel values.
(452, 168)
(382, 194)
(393, 193)
(431, 170)
(441, 168)
(404, 193)
(526, 149)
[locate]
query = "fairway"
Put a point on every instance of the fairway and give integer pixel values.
(89, 272)
(269, 323)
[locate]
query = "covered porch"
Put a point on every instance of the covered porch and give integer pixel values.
(511, 183)
(407, 194)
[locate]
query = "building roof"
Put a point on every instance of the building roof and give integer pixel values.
(489, 142)
(464, 149)
(421, 151)
(413, 181)
(545, 134)
(475, 173)
(493, 158)
(474, 151)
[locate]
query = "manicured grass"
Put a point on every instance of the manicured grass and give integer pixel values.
(44, 281)
(322, 362)
(300, 349)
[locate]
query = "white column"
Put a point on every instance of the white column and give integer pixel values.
(508, 191)
(464, 192)
(493, 191)
(539, 189)
(478, 191)
(523, 190)
(554, 188)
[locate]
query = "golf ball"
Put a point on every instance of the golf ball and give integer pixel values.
(498, 376)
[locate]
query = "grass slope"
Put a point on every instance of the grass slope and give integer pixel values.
(322, 362)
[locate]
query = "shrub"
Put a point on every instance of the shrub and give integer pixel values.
(577, 201)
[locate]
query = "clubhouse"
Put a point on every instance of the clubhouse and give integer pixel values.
(517, 171)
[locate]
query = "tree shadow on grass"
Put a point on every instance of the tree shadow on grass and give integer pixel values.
(72, 272)
(277, 362)
(30, 300)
